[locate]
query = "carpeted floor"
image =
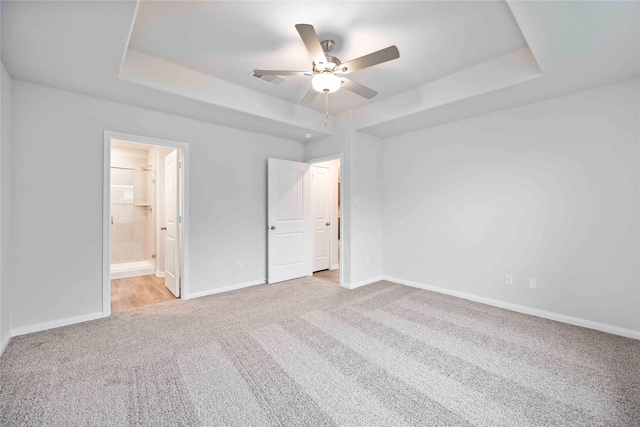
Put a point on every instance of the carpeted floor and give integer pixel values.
(306, 352)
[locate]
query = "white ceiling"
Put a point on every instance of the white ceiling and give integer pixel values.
(457, 59)
(228, 40)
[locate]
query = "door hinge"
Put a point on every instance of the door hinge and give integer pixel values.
(153, 256)
(180, 219)
(179, 165)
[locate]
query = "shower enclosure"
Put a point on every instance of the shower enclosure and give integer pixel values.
(132, 222)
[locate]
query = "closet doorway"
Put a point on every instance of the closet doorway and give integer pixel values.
(304, 232)
(325, 220)
(145, 222)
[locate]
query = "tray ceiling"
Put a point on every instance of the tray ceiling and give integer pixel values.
(227, 40)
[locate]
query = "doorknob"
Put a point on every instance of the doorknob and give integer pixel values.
(273, 227)
(163, 228)
(328, 223)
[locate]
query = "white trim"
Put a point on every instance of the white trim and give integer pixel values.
(159, 273)
(106, 223)
(338, 156)
(226, 289)
(55, 324)
(362, 283)
(5, 343)
(106, 227)
(576, 321)
(135, 273)
(334, 267)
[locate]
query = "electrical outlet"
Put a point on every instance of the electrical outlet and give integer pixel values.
(508, 279)
(239, 265)
(533, 283)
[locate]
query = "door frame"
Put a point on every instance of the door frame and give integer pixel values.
(106, 211)
(337, 156)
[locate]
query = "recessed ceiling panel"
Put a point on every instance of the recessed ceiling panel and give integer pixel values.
(228, 40)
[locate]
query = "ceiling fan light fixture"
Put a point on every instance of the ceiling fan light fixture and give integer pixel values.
(326, 82)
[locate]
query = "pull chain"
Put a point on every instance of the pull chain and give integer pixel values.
(326, 108)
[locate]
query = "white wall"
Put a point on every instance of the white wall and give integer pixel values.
(548, 190)
(361, 209)
(57, 237)
(124, 157)
(5, 205)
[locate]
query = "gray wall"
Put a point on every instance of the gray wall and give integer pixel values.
(57, 240)
(548, 190)
(361, 208)
(366, 203)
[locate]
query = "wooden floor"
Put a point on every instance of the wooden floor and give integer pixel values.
(136, 292)
(332, 276)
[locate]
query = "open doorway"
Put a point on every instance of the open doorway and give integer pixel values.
(144, 222)
(325, 220)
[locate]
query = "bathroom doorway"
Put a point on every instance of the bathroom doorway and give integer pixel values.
(144, 222)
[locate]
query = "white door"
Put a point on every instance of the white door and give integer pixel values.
(289, 254)
(321, 217)
(171, 249)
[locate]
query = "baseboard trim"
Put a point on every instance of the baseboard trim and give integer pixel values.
(5, 343)
(23, 330)
(362, 283)
(136, 273)
(334, 267)
(225, 289)
(576, 321)
(159, 273)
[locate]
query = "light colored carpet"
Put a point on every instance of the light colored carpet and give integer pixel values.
(306, 352)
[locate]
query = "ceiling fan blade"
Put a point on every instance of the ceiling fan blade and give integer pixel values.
(309, 97)
(310, 39)
(259, 73)
(369, 60)
(357, 88)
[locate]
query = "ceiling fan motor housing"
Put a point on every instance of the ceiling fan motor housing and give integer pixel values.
(331, 65)
(327, 45)
(332, 62)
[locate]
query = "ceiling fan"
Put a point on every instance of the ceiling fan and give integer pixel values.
(328, 71)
